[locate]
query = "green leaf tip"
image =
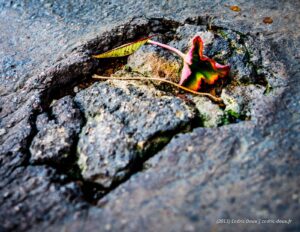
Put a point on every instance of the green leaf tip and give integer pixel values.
(123, 50)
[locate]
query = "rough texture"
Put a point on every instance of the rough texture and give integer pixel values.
(210, 113)
(38, 194)
(227, 173)
(125, 124)
(251, 74)
(155, 61)
(55, 139)
(246, 170)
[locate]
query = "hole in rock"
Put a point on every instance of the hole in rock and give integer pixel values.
(113, 103)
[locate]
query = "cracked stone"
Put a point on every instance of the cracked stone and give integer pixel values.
(249, 169)
(24, 210)
(56, 135)
(126, 123)
(225, 46)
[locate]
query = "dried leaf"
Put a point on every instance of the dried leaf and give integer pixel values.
(197, 67)
(124, 50)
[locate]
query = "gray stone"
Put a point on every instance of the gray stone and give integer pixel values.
(154, 61)
(208, 175)
(251, 75)
(126, 123)
(38, 195)
(56, 135)
(185, 33)
(210, 113)
(249, 169)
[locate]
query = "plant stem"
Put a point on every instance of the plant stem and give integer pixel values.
(211, 97)
(175, 50)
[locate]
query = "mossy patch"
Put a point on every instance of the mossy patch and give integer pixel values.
(231, 116)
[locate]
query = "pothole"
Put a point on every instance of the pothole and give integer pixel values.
(127, 122)
(246, 83)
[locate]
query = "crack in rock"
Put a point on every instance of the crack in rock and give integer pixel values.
(25, 210)
(125, 122)
(251, 76)
(110, 118)
(56, 136)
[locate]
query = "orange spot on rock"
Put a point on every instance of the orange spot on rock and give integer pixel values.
(235, 8)
(268, 20)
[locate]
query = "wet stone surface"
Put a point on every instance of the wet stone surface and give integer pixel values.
(143, 156)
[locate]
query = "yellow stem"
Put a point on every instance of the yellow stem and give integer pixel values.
(211, 97)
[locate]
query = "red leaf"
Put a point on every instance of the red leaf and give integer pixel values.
(199, 68)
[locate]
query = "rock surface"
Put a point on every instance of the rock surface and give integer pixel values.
(205, 176)
(125, 125)
(55, 138)
(247, 170)
(36, 194)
